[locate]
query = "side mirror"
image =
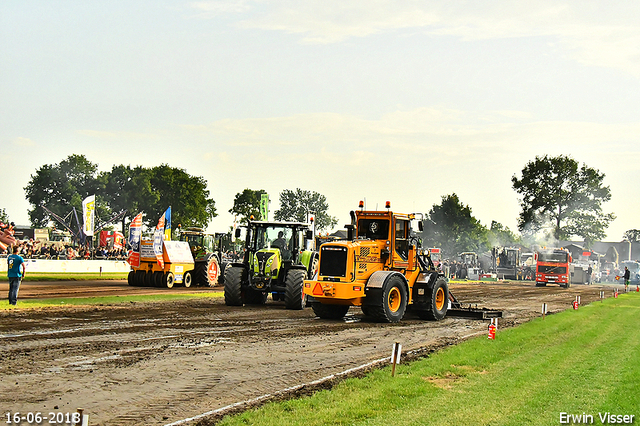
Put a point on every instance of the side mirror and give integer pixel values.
(237, 232)
(420, 226)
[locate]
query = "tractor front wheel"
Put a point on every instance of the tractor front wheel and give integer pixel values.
(233, 286)
(294, 297)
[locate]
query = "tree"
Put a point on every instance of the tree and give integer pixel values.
(187, 195)
(299, 205)
(4, 217)
(451, 226)
(500, 235)
(555, 191)
(247, 204)
(61, 187)
(632, 235)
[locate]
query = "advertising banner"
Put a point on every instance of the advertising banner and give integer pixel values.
(264, 206)
(135, 232)
(167, 224)
(158, 235)
(89, 215)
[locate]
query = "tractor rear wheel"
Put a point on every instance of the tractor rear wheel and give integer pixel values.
(233, 286)
(208, 271)
(392, 304)
(294, 297)
(437, 300)
(329, 311)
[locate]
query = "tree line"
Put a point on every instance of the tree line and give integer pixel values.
(559, 199)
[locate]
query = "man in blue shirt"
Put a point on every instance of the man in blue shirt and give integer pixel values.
(15, 273)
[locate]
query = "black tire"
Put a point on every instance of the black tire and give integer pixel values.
(168, 279)
(233, 286)
(131, 278)
(158, 278)
(223, 270)
(540, 284)
(313, 267)
(391, 305)
(294, 297)
(207, 272)
(187, 279)
(148, 279)
(139, 279)
(437, 301)
(329, 311)
(255, 297)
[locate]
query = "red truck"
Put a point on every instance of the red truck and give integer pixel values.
(552, 267)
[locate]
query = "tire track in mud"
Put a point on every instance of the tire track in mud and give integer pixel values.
(153, 363)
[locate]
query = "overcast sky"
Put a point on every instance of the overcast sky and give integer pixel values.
(405, 101)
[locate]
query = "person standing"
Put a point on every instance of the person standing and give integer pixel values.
(15, 273)
(627, 276)
(589, 272)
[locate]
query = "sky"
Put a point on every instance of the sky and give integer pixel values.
(370, 100)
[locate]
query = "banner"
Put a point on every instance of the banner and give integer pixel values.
(167, 224)
(135, 232)
(158, 235)
(89, 215)
(264, 206)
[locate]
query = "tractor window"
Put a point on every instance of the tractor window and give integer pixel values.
(373, 229)
(402, 243)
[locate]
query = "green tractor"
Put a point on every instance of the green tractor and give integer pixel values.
(206, 250)
(277, 260)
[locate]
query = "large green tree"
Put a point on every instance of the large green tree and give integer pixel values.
(4, 217)
(451, 226)
(247, 204)
(299, 205)
(558, 193)
(62, 187)
(632, 235)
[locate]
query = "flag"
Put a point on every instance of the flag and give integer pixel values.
(264, 206)
(89, 215)
(167, 224)
(157, 241)
(135, 232)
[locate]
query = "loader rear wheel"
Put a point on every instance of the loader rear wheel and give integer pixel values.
(186, 279)
(233, 286)
(392, 302)
(329, 311)
(437, 300)
(168, 279)
(294, 297)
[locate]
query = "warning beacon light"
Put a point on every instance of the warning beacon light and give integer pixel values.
(361, 204)
(387, 205)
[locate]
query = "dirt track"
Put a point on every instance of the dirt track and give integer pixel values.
(156, 363)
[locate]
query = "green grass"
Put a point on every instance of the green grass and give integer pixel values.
(70, 276)
(585, 361)
(103, 300)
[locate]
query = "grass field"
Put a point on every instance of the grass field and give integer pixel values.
(584, 362)
(103, 300)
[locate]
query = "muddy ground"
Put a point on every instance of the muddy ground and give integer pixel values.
(157, 363)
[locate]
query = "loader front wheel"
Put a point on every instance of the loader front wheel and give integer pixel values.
(389, 303)
(233, 286)
(294, 297)
(437, 300)
(329, 311)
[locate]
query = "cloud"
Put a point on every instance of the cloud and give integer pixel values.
(23, 142)
(99, 134)
(589, 32)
